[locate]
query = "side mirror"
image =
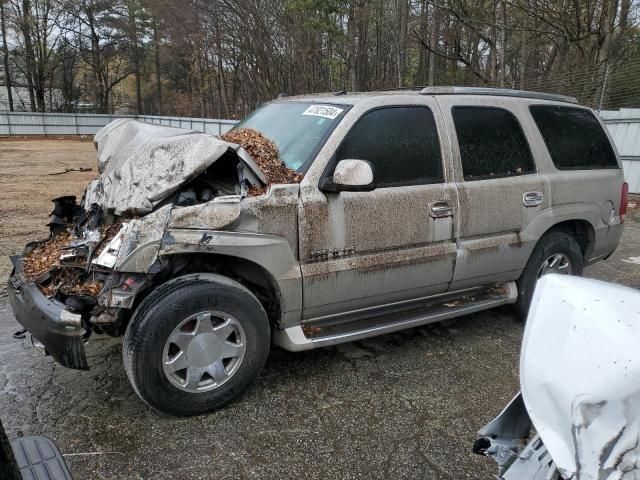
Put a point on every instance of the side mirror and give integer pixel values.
(350, 176)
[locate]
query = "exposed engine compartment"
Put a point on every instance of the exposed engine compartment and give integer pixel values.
(150, 177)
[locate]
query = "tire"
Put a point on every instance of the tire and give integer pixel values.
(147, 343)
(550, 244)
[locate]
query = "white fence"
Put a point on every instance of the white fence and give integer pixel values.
(624, 126)
(25, 123)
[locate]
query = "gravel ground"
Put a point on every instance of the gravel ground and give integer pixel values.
(405, 405)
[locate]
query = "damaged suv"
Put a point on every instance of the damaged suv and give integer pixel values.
(411, 207)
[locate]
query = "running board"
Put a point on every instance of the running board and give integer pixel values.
(316, 334)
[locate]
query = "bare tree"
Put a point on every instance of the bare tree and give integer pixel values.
(5, 56)
(225, 57)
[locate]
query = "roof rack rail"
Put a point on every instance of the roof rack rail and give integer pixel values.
(412, 87)
(500, 92)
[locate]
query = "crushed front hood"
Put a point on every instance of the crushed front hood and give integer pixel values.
(140, 164)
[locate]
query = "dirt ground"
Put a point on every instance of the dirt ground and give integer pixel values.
(26, 187)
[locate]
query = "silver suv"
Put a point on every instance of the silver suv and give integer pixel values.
(415, 206)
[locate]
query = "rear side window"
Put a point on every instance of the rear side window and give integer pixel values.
(492, 143)
(401, 143)
(574, 137)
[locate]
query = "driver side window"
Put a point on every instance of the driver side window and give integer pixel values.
(401, 143)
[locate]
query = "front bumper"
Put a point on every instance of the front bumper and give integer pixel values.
(59, 330)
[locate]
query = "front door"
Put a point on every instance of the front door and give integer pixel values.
(392, 244)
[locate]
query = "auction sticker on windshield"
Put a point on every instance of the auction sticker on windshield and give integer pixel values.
(326, 111)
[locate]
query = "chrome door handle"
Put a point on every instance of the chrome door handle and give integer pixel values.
(532, 199)
(441, 209)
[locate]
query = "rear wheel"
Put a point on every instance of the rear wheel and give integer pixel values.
(556, 252)
(196, 343)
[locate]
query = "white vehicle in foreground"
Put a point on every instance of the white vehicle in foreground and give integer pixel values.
(580, 380)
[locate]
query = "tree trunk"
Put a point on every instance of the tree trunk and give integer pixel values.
(222, 94)
(156, 51)
(353, 41)
(25, 25)
(435, 37)
(421, 74)
(5, 57)
(493, 54)
(133, 34)
(96, 65)
(503, 42)
(403, 14)
(524, 48)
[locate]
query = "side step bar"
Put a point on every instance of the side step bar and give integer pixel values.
(315, 334)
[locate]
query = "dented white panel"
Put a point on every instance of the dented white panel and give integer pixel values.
(580, 375)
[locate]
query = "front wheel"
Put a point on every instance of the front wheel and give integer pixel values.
(195, 343)
(556, 252)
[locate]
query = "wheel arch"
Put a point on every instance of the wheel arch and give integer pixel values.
(255, 277)
(580, 220)
(581, 230)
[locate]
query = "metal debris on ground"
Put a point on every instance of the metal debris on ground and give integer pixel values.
(265, 153)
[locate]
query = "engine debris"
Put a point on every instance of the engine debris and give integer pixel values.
(67, 265)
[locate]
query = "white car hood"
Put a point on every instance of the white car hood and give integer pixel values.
(141, 164)
(580, 376)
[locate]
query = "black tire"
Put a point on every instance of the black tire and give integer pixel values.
(158, 315)
(550, 244)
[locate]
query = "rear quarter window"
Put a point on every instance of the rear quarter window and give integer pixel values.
(574, 137)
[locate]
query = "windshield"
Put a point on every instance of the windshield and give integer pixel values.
(297, 128)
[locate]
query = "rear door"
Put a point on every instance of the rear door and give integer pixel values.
(395, 243)
(499, 187)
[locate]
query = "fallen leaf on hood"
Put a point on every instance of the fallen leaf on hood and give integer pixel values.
(265, 153)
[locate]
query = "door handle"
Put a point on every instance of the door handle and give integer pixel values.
(441, 209)
(532, 199)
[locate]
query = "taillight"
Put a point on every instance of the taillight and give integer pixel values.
(624, 200)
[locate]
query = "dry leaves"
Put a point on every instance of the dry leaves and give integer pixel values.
(45, 255)
(311, 330)
(46, 258)
(70, 281)
(79, 287)
(265, 154)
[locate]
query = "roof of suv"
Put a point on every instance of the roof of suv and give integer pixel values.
(355, 97)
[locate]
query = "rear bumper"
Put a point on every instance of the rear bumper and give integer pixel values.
(59, 330)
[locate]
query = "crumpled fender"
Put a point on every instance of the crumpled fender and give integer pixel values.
(135, 247)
